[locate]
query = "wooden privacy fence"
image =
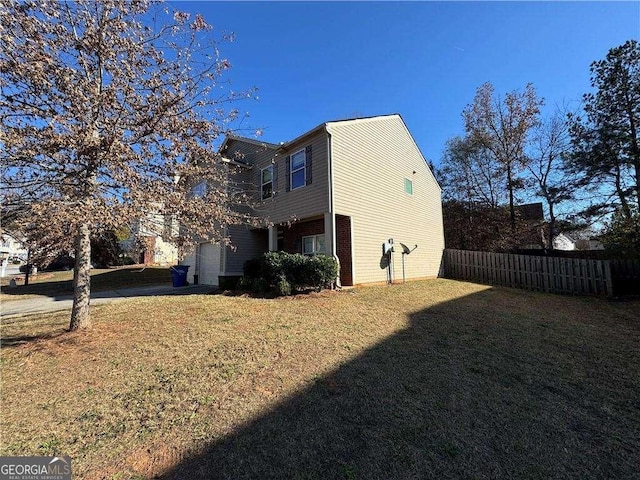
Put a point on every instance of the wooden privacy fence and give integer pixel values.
(626, 277)
(547, 274)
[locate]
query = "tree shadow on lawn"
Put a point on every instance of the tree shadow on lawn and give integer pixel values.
(118, 278)
(472, 389)
(22, 339)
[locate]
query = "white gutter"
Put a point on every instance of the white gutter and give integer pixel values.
(331, 197)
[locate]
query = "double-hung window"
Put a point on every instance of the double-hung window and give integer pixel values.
(267, 182)
(313, 245)
(298, 169)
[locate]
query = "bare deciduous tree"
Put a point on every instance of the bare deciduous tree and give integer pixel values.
(502, 126)
(549, 145)
(107, 108)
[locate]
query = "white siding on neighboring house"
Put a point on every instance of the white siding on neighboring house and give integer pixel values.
(563, 242)
(9, 246)
(375, 163)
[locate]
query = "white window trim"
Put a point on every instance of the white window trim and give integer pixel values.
(303, 168)
(263, 183)
(315, 245)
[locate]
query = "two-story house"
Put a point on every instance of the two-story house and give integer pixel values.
(343, 188)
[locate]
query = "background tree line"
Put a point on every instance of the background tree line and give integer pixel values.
(583, 166)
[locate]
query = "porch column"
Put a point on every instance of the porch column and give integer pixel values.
(273, 238)
(330, 240)
(330, 233)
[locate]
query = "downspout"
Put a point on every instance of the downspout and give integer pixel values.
(332, 213)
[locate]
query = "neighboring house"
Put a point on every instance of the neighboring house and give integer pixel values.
(11, 247)
(594, 244)
(563, 241)
(342, 189)
(149, 241)
(567, 242)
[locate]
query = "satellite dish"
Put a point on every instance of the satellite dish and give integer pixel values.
(405, 249)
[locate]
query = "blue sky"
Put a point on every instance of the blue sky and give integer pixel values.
(320, 61)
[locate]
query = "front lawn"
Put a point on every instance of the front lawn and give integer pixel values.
(61, 283)
(433, 379)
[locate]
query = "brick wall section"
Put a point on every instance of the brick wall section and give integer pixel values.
(293, 234)
(343, 241)
(293, 241)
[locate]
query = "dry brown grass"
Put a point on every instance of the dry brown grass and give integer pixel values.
(50, 284)
(438, 379)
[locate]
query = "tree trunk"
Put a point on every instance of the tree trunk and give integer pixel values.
(626, 210)
(635, 148)
(552, 225)
(512, 208)
(81, 280)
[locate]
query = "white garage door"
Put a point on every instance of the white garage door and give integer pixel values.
(209, 264)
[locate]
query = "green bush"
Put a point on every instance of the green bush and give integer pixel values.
(324, 270)
(259, 285)
(252, 268)
(228, 283)
(245, 283)
(272, 268)
(283, 288)
(287, 273)
(126, 261)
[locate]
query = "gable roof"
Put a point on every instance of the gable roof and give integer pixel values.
(285, 145)
(325, 126)
(252, 141)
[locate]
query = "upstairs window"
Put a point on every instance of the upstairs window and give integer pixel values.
(408, 186)
(299, 169)
(267, 182)
(313, 245)
(199, 190)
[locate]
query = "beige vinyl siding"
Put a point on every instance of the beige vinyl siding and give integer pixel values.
(247, 152)
(245, 178)
(303, 202)
(371, 160)
(246, 243)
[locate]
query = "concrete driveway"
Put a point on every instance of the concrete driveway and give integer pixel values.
(12, 310)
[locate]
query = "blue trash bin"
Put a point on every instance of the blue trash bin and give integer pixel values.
(179, 275)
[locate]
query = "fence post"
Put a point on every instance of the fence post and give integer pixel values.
(608, 280)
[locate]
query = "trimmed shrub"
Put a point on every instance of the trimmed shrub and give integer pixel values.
(287, 273)
(323, 270)
(272, 266)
